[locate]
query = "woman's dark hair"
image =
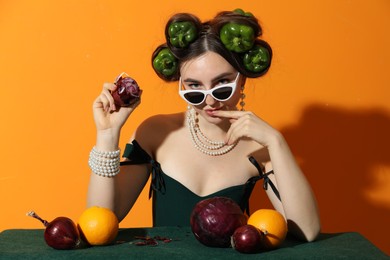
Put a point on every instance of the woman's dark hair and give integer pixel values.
(208, 39)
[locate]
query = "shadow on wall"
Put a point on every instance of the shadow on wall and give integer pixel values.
(345, 156)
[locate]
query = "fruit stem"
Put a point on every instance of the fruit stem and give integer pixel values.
(265, 232)
(34, 215)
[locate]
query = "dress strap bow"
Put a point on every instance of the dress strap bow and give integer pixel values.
(264, 176)
(157, 183)
(136, 155)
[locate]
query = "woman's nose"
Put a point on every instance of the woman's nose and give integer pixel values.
(210, 100)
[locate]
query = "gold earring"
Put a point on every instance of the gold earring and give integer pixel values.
(242, 103)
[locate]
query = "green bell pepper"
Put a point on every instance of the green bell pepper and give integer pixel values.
(237, 37)
(242, 12)
(181, 34)
(257, 59)
(165, 63)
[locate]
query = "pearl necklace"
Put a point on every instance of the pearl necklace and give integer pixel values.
(201, 142)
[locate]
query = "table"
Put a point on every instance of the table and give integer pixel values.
(30, 244)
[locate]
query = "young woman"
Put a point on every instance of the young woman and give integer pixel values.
(214, 148)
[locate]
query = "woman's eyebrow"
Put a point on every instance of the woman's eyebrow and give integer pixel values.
(191, 80)
(223, 76)
(220, 76)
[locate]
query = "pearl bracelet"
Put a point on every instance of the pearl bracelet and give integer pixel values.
(104, 163)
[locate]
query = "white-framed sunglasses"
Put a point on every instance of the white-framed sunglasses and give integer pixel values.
(221, 93)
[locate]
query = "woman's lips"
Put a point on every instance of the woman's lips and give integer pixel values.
(209, 112)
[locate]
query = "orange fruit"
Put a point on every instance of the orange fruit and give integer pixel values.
(98, 226)
(272, 224)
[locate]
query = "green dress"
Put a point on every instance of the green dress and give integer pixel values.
(173, 202)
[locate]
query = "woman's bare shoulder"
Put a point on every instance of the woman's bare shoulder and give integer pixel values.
(162, 122)
(154, 129)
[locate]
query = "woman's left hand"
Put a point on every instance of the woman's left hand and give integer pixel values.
(297, 199)
(245, 124)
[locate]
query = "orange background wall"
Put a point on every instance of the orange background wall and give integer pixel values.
(327, 91)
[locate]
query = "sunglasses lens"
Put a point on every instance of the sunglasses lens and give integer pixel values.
(222, 93)
(194, 97)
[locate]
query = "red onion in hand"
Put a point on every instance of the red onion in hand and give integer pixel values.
(213, 221)
(247, 239)
(127, 91)
(61, 233)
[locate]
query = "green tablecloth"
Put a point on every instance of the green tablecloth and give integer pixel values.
(30, 244)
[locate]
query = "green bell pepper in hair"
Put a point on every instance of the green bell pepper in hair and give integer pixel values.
(165, 63)
(237, 37)
(242, 12)
(181, 34)
(257, 59)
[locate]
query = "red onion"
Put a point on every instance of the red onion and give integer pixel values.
(247, 239)
(127, 91)
(61, 233)
(214, 220)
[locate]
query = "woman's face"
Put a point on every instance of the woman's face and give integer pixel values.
(207, 72)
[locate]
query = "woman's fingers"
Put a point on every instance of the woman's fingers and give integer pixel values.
(236, 118)
(106, 97)
(237, 130)
(244, 125)
(228, 114)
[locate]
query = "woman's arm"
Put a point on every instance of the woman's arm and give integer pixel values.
(120, 192)
(298, 203)
(117, 193)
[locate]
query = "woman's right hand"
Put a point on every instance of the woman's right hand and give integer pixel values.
(107, 116)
